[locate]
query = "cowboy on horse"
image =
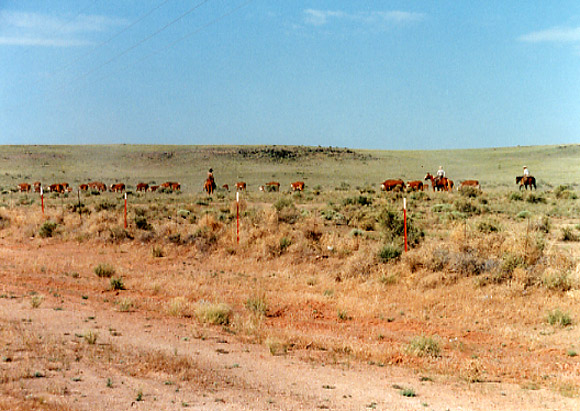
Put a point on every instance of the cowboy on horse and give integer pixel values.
(209, 185)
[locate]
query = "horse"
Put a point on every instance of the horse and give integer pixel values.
(524, 181)
(209, 186)
(442, 183)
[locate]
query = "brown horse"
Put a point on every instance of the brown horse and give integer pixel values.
(524, 181)
(443, 183)
(209, 186)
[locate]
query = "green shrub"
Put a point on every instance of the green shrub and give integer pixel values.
(470, 192)
(558, 280)
(488, 226)
(557, 317)
(47, 229)
(424, 347)
(358, 200)
(392, 225)
(285, 242)
(569, 235)
(117, 283)
(105, 205)
(565, 192)
(389, 252)
(516, 196)
(467, 207)
(217, 314)
(534, 198)
(257, 304)
(104, 270)
(523, 214)
(282, 203)
(142, 224)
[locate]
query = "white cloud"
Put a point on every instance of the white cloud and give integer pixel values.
(553, 35)
(322, 17)
(34, 29)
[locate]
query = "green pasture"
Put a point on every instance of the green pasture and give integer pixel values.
(322, 167)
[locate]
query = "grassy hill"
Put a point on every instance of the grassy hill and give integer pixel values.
(318, 166)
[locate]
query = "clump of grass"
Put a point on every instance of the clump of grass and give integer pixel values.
(142, 224)
(516, 196)
(157, 251)
(393, 227)
(423, 346)
(217, 314)
(358, 200)
(389, 252)
(557, 280)
(36, 300)
(125, 305)
(408, 392)
(104, 270)
(257, 304)
(557, 317)
(343, 315)
(284, 243)
(276, 346)
(48, 229)
(105, 205)
(116, 283)
(565, 192)
(178, 307)
(569, 235)
(488, 226)
(535, 198)
(523, 214)
(91, 337)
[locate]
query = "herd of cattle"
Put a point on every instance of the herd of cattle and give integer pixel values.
(438, 184)
(37, 187)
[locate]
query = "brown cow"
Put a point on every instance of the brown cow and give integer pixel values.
(84, 187)
(241, 186)
(171, 185)
(469, 183)
(272, 186)
(97, 185)
(142, 187)
(391, 185)
(24, 187)
(57, 188)
(297, 186)
(153, 188)
(226, 187)
(37, 185)
(416, 185)
(118, 187)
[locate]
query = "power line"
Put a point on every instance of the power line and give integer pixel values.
(134, 46)
(170, 45)
(114, 36)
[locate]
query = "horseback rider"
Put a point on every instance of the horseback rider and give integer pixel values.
(526, 172)
(440, 174)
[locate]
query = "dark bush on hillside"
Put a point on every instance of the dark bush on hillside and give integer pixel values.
(467, 207)
(569, 235)
(142, 224)
(392, 226)
(47, 229)
(470, 192)
(358, 200)
(389, 252)
(4, 221)
(488, 226)
(535, 198)
(105, 205)
(565, 192)
(516, 196)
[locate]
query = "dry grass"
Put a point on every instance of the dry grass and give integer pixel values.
(476, 283)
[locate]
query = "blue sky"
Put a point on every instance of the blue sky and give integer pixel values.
(360, 74)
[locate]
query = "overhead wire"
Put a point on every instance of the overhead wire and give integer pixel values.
(172, 44)
(134, 46)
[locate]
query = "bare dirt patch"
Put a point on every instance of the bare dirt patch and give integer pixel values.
(69, 342)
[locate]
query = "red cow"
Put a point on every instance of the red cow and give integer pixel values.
(37, 185)
(117, 188)
(297, 186)
(390, 185)
(153, 188)
(241, 186)
(226, 187)
(469, 183)
(416, 185)
(57, 188)
(97, 185)
(272, 186)
(24, 187)
(142, 187)
(171, 185)
(84, 187)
